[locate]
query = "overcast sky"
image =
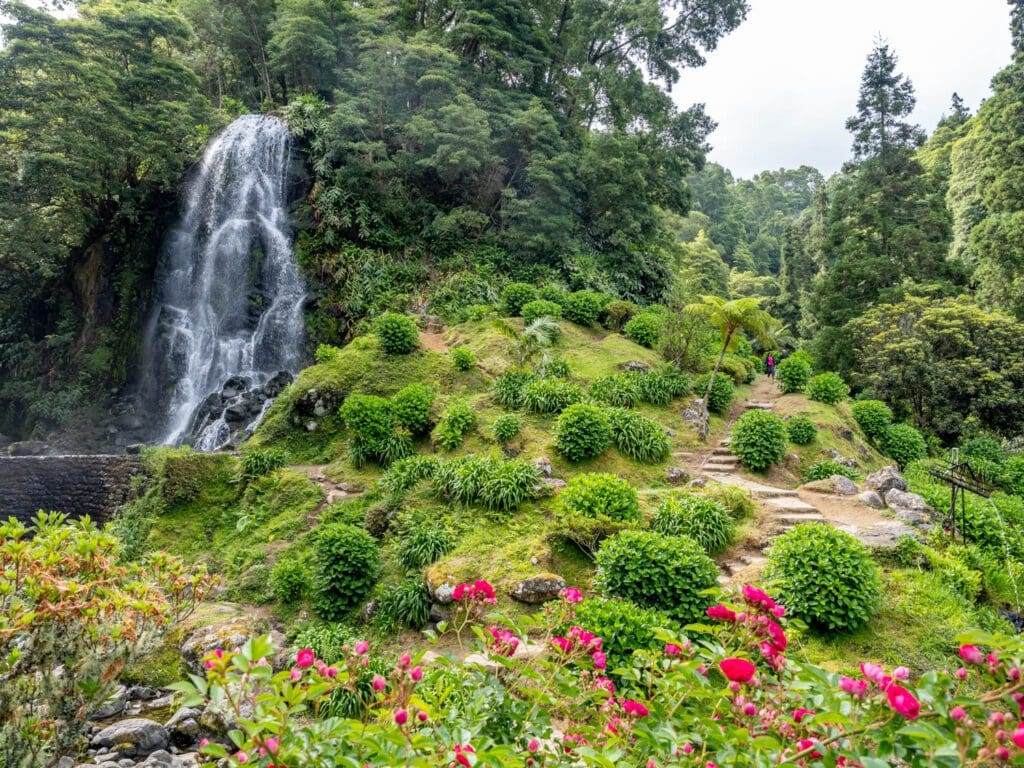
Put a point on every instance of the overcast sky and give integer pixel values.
(782, 85)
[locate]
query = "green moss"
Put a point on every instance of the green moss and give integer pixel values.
(160, 667)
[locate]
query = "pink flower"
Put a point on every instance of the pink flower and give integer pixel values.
(533, 746)
(873, 672)
(756, 596)
(603, 683)
(721, 613)
(634, 708)
(971, 654)
(203, 743)
(749, 709)
(562, 643)
(421, 716)
(240, 757)
(572, 595)
(416, 674)
(1018, 735)
(295, 675)
(362, 647)
(379, 683)
(460, 592)
(856, 688)
(305, 658)
(462, 753)
(401, 717)
(901, 673)
(484, 588)
(270, 745)
(961, 673)
(671, 649)
(800, 714)
(404, 660)
(778, 611)
(600, 660)
(957, 713)
(903, 701)
(737, 670)
(778, 637)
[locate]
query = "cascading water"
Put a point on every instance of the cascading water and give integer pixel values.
(228, 319)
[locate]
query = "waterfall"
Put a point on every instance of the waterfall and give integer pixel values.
(228, 316)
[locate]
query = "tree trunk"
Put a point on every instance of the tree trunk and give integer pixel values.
(705, 421)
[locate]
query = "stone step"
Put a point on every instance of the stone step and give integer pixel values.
(719, 469)
(754, 405)
(722, 452)
(767, 492)
(790, 504)
(791, 521)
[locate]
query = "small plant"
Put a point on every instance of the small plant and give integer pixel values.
(506, 427)
(368, 416)
(424, 544)
(736, 501)
(554, 368)
(701, 518)
(793, 373)
(534, 310)
(759, 439)
(593, 506)
(515, 296)
(398, 334)
(619, 389)
(722, 392)
(679, 383)
(404, 474)
(461, 480)
(393, 447)
(325, 353)
(644, 330)
(667, 573)
(346, 569)
(411, 406)
(823, 470)
(289, 580)
(985, 448)
(825, 577)
(624, 626)
(550, 395)
(403, 605)
(873, 417)
(258, 462)
(508, 388)
(617, 313)
(828, 388)
(582, 431)
(458, 421)
(904, 444)
(801, 430)
(583, 307)
(638, 437)
(655, 388)
(509, 484)
(462, 359)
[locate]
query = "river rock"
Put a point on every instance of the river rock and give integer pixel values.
(538, 589)
(228, 633)
(159, 759)
(113, 706)
(884, 480)
(872, 499)
(843, 485)
(183, 727)
(136, 737)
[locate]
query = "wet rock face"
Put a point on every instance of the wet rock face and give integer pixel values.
(226, 418)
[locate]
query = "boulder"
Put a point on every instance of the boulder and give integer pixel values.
(442, 593)
(697, 482)
(897, 499)
(136, 737)
(113, 706)
(884, 480)
(184, 728)
(635, 366)
(677, 476)
(872, 499)
(843, 485)
(317, 403)
(543, 464)
(159, 759)
(229, 633)
(538, 589)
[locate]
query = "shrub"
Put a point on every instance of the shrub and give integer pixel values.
(551, 292)
(1013, 474)
(593, 506)
(461, 480)
(555, 368)
(411, 407)
(582, 431)
(534, 310)
(550, 395)
(702, 519)
(736, 501)
(583, 307)
(801, 430)
(903, 444)
(985, 448)
(644, 330)
(617, 313)
(368, 416)
(462, 359)
(618, 389)
(624, 626)
(678, 382)
(346, 568)
(793, 373)
(823, 470)
(759, 439)
(325, 353)
(508, 388)
(405, 473)
(458, 421)
(257, 462)
(824, 576)
(403, 605)
(828, 388)
(509, 484)
(655, 388)
(506, 427)
(638, 437)
(722, 392)
(393, 447)
(477, 312)
(289, 580)
(327, 641)
(423, 545)
(515, 296)
(873, 417)
(736, 368)
(398, 334)
(667, 573)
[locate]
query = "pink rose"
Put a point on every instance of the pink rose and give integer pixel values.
(600, 660)
(756, 596)
(856, 688)
(401, 717)
(737, 670)
(379, 683)
(903, 701)
(635, 708)
(572, 595)
(362, 647)
(1018, 735)
(416, 674)
(971, 654)
(671, 649)
(873, 672)
(305, 658)
(721, 613)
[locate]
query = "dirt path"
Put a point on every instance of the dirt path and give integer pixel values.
(333, 491)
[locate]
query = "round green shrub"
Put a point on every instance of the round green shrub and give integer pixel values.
(700, 518)
(617, 313)
(368, 416)
(462, 359)
(1013, 474)
(582, 431)
(617, 389)
(534, 310)
(801, 430)
(551, 292)
(793, 374)
(411, 407)
(515, 296)
(403, 605)
(458, 421)
(825, 577)
(828, 388)
(722, 392)
(600, 494)
(823, 470)
(423, 545)
(904, 444)
(346, 569)
(873, 417)
(506, 427)
(759, 439)
(289, 580)
(655, 387)
(508, 388)
(583, 307)
(398, 334)
(554, 368)
(550, 395)
(638, 437)
(623, 626)
(667, 573)
(644, 330)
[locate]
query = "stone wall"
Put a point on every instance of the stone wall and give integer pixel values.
(75, 485)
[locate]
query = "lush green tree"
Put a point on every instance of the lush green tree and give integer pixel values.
(700, 269)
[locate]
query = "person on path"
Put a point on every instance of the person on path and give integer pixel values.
(769, 364)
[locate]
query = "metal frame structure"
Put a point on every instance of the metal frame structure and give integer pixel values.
(962, 479)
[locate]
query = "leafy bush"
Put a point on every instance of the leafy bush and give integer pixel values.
(458, 421)
(534, 310)
(793, 373)
(823, 470)
(346, 569)
(555, 368)
(582, 431)
(624, 626)
(461, 480)
(398, 334)
(583, 307)
(984, 448)
(405, 473)
(593, 506)
(618, 389)
(508, 388)
(638, 437)
(411, 406)
(515, 296)
(903, 444)
(550, 395)
(655, 388)
(327, 641)
(403, 605)
(873, 417)
(801, 430)
(257, 462)
(736, 368)
(509, 484)
(393, 447)
(828, 388)
(644, 330)
(325, 353)
(506, 427)
(677, 380)
(424, 544)
(722, 392)
(759, 439)
(736, 501)
(824, 576)
(368, 416)
(552, 292)
(289, 580)
(617, 313)
(462, 358)
(700, 518)
(667, 573)
(1013, 474)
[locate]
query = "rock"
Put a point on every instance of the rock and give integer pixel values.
(884, 480)
(543, 464)
(113, 706)
(697, 482)
(159, 759)
(843, 485)
(229, 633)
(143, 692)
(538, 589)
(134, 448)
(846, 434)
(442, 593)
(311, 426)
(439, 613)
(316, 402)
(635, 366)
(136, 737)
(872, 499)
(677, 475)
(549, 485)
(66, 762)
(183, 727)
(897, 499)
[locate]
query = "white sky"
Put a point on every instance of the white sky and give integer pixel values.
(782, 85)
